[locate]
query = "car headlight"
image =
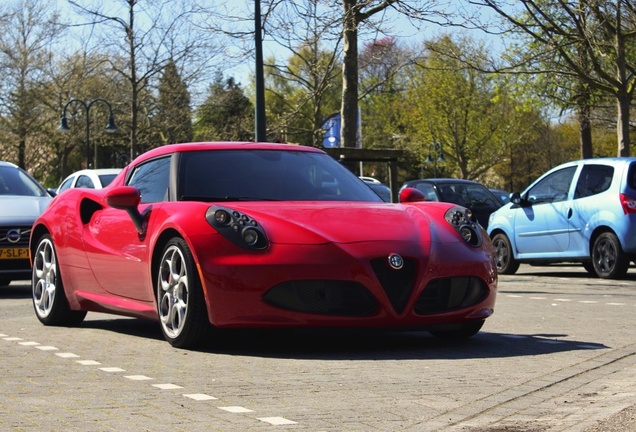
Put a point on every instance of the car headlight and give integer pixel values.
(237, 227)
(463, 221)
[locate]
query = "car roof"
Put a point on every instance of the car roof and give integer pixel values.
(97, 171)
(442, 181)
(8, 164)
(225, 145)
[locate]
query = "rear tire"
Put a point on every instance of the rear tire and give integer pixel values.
(608, 258)
(180, 301)
(49, 299)
(504, 259)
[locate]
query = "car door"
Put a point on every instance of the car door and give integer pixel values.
(594, 179)
(118, 255)
(542, 222)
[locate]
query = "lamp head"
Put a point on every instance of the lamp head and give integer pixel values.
(63, 127)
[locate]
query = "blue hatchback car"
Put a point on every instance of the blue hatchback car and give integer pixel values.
(582, 211)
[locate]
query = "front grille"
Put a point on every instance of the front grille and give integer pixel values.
(447, 294)
(326, 297)
(11, 232)
(397, 283)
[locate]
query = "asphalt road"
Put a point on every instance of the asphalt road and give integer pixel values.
(558, 355)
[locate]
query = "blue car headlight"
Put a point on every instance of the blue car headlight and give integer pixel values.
(463, 221)
(237, 227)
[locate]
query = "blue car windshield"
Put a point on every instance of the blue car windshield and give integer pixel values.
(255, 175)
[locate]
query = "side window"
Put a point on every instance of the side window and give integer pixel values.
(151, 179)
(479, 197)
(428, 191)
(553, 188)
(593, 180)
(65, 185)
(84, 182)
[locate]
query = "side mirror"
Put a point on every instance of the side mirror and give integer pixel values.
(128, 198)
(123, 197)
(515, 198)
(408, 195)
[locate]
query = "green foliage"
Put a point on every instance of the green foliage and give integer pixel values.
(300, 95)
(226, 115)
(174, 117)
(478, 118)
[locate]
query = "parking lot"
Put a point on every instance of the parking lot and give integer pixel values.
(558, 355)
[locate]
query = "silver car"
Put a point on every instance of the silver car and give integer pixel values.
(22, 199)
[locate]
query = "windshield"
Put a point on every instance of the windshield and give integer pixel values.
(253, 175)
(14, 181)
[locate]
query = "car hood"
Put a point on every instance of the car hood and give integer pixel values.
(21, 210)
(346, 222)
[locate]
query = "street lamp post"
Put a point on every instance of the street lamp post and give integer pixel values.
(438, 156)
(110, 127)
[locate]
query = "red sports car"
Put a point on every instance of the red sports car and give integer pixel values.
(226, 235)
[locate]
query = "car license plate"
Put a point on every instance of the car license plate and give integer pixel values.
(14, 253)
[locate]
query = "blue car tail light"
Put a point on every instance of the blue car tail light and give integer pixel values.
(628, 203)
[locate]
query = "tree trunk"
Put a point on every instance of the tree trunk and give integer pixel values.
(622, 127)
(349, 108)
(585, 125)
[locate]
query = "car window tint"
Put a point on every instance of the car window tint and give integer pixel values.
(480, 197)
(455, 194)
(84, 181)
(631, 176)
(428, 190)
(268, 175)
(107, 179)
(593, 180)
(552, 188)
(66, 184)
(14, 181)
(151, 179)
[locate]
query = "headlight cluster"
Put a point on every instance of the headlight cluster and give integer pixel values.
(237, 227)
(463, 221)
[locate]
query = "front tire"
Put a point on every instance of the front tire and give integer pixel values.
(49, 300)
(608, 258)
(504, 259)
(180, 301)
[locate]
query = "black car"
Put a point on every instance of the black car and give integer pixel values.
(467, 193)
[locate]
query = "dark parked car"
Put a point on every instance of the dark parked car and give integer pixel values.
(467, 193)
(504, 196)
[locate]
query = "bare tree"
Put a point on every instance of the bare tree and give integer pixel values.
(29, 29)
(591, 40)
(309, 30)
(149, 34)
(356, 13)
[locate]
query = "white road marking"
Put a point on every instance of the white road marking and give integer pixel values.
(277, 421)
(138, 377)
(112, 369)
(88, 362)
(67, 355)
(167, 386)
(199, 396)
(235, 409)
